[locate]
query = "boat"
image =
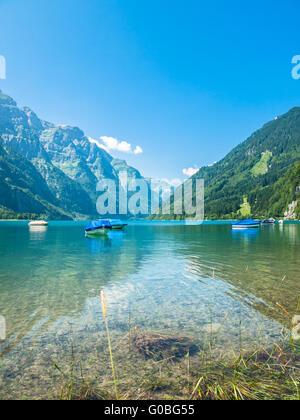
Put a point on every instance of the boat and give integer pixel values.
(117, 224)
(281, 222)
(98, 228)
(269, 221)
(246, 224)
(38, 223)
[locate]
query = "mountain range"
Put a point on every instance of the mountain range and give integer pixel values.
(47, 170)
(51, 171)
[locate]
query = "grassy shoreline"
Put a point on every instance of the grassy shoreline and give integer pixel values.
(262, 374)
(173, 367)
(152, 365)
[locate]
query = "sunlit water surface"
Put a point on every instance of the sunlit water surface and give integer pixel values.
(172, 278)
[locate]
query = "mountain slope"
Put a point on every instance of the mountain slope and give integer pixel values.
(68, 164)
(281, 198)
(22, 188)
(255, 164)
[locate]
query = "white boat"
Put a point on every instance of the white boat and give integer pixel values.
(281, 222)
(38, 223)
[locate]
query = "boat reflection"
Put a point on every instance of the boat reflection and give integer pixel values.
(37, 233)
(245, 235)
(98, 244)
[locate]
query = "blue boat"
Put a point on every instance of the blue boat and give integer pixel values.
(98, 228)
(117, 224)
(246, 224)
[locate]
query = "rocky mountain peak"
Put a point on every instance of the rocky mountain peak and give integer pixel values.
(6, 100)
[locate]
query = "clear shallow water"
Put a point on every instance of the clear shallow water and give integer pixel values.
(166, 277)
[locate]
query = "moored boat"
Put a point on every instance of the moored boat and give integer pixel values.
(269, 221)
(38, 223)
(98, 228)
(117, 224)
(246, 224)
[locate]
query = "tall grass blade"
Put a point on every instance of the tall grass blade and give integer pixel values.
(109, 343)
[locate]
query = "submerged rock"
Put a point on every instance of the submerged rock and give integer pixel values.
(160, 346)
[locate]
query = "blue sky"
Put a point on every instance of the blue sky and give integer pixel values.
(185, 81)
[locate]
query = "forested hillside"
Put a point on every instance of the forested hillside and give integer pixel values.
(258, 177)
(275, 199)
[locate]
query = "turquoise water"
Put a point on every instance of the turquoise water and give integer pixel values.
(167, 277)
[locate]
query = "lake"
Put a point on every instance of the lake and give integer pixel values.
(172, 278)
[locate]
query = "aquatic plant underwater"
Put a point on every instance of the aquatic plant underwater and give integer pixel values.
(153, 365)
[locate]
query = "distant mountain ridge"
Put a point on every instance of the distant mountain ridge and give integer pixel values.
(49, 170)
(258, 177)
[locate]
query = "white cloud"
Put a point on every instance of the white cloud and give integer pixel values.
(111, 143)
(91, 140)
(138, 150)
(190, 171)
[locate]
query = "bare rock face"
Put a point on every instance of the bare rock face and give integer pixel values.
(290, 214)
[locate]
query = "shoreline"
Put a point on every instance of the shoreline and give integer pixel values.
(187, 222)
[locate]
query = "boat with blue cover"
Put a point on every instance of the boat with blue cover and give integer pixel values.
(246, 224)
(98, 228)
(117, 224)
